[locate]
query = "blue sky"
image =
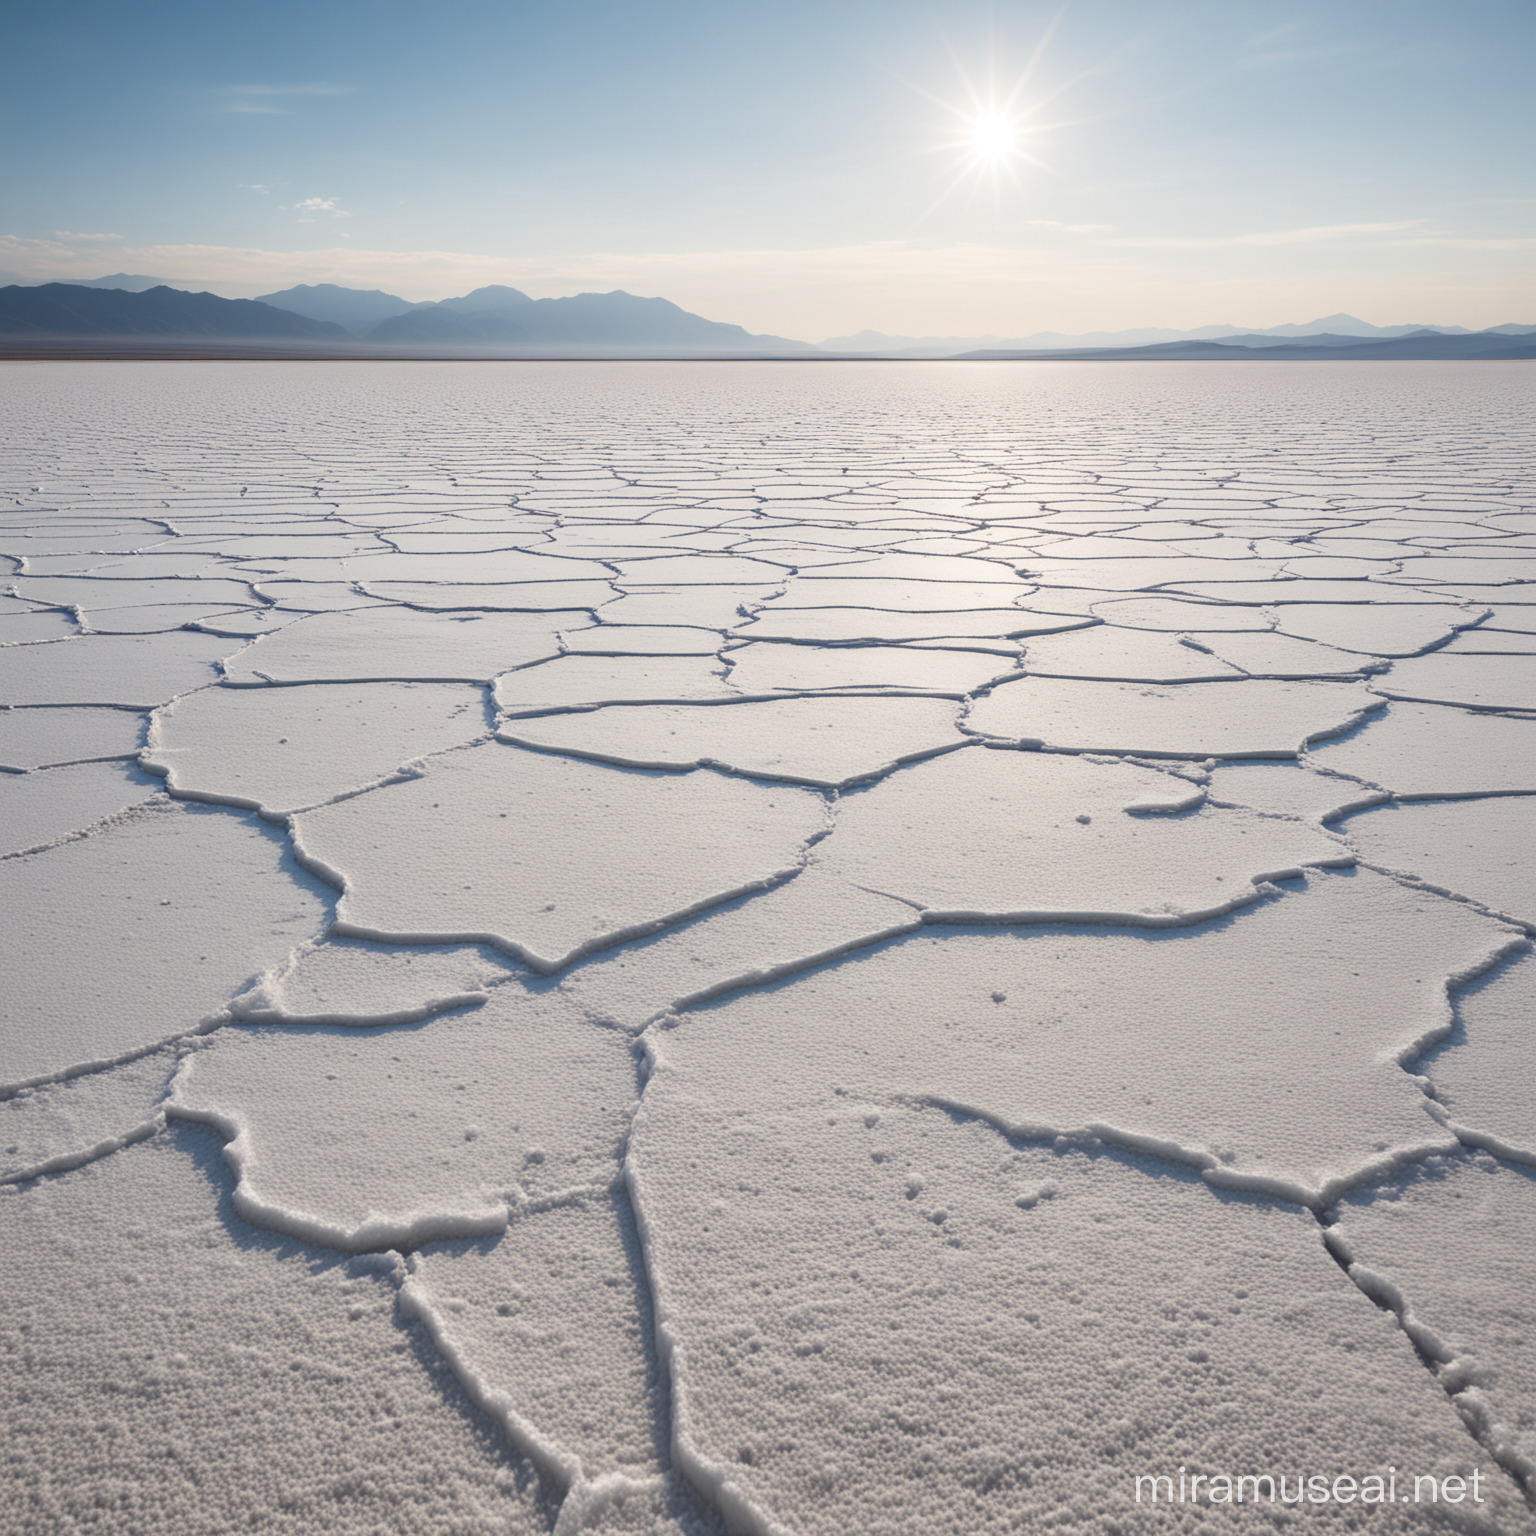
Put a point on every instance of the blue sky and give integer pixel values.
(801, 168)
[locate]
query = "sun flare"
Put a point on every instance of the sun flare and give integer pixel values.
(992, 137)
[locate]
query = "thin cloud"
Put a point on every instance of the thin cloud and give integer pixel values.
(316, 205)
(1068, 229)
(290, 90)
(1457, 243)
(67, 234)
(1311, 235)
(268, 100)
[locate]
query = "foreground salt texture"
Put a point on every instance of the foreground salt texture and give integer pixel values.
(771, 948)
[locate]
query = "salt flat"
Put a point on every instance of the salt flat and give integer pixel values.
(771, 948)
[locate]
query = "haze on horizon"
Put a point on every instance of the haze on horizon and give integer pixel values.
(805, 170)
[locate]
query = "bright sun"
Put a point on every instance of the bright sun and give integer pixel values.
(992, 137)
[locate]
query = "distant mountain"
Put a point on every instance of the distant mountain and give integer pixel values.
(1424, 345)
(1345, 327)
(945, 346)
(586, 321)
(357, 310)
(73, 309)
(1320, 339)
(491, 299)
(441, 326)
(129, 283)
(1350, 325)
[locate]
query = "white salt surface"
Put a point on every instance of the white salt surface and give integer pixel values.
(550, 857)
(157, 921)
(768, 668)
(379, 643)
(1126, 655)
(1260, 718)
(1489, 642)
(28, 628)
(45, 738)
(1235, 1007)
(756, 1094)
(1450, 1251)
(1288, 789)
(348, 981)
(1282, 656)
(58, 1126)
(1419, 750)
(1480, 1074)
(487, 596)
(551, 1318)
(611, 639)
(138, 671)
(1021, 834)
(814, 916)
(585, 682)
(279, 750)
(430, 1131)
(897, 596)
(711, 607)
(281, 1388)
(811, 740)
(1171, 613)
(840, 625)
(1042, 1322)
(38, 809)
(1373, 629)
(1488, 682)
(1476, 848)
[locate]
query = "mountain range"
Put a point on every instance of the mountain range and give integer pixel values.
(1419, 346)
(1341, 328)
(494, 317)
(356, 310)
(76, 309)
(500, 316)
(500, 321)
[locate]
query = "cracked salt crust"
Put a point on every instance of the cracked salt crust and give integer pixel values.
(995, 833)
(1045, 1323)
(841, 625)
(413, 1133)
(1169, 613)
(1480, 1075)
(1448, 1248)
(278, 1388)
(550, 857)
(1475, 848)
(43, 738)
(744, 1185)
(823, 741)
(156, 921)
(388, 644)
(135, 672)
(1198, 1071)
(1419, 751)
(42, 808)
(1486, 682)
(1124, 655)
(1240, 718)
(1373, 629)
(763, 667)
(281, 750)
(1281, 656)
